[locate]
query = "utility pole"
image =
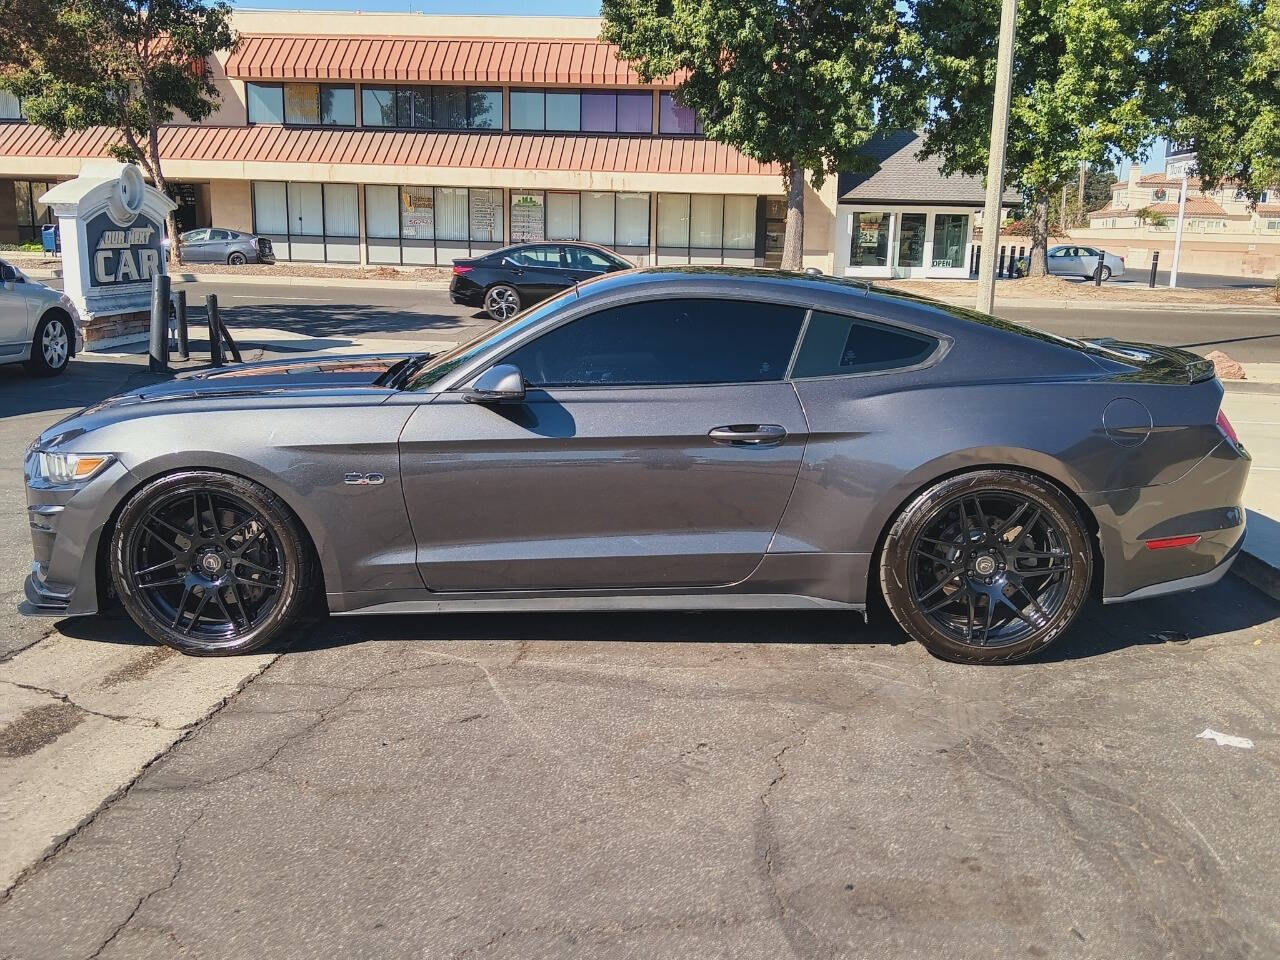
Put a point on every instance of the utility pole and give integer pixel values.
(995, 160)
(1177, 237)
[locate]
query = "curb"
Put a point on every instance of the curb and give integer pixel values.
(1258, 573)
(283, 281)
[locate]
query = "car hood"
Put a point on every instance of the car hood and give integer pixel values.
(308, 380)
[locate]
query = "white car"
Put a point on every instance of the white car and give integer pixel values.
(37, 324)
(1073, 261)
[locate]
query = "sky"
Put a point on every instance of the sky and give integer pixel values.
(546, 8)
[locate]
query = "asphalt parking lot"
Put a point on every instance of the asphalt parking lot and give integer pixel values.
(699, 785)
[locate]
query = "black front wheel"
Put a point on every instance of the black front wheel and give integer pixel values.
(988, 566)
(210, 563)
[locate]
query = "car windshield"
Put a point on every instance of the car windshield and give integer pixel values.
(445, 363)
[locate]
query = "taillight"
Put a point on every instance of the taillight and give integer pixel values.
(459, 270)
(1168, 543)
(1227, 429)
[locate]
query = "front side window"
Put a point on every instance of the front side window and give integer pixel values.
(836, 345)
(665, 342)
(195, 236)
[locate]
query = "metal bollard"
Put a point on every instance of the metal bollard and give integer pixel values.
(158, 353)
(215, 330)
(184, 349)
(1097, 270)
(1155, 262)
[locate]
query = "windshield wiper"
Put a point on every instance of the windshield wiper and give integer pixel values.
(399, 372)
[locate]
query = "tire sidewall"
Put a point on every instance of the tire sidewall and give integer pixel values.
(284, 525)
(896, 556)
(37, 364)
(502, 286)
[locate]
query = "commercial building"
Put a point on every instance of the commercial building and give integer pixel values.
(409, 139)
(1221, 233)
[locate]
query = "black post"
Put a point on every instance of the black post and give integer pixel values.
(158, 359)
(1000, 264)
(229, 342)
(215, 330)
(1155, 262)
(1097, 271)
(184, 350)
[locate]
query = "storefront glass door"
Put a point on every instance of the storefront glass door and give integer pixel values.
(911, 240)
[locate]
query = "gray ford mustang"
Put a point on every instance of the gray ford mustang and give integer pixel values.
(669, 438)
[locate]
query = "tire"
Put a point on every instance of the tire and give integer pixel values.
(51, 345)
(237, 259)
(502, 302)
(1106, 274)
(1016, 588)
(189, 541)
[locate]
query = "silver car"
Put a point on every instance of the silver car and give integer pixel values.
(1076, 261)
(216, 245)
(659, 439)
(37, 324)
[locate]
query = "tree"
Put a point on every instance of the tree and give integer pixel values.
(801, 83)
(1080, 91)
(1219, 61)
(131, 65)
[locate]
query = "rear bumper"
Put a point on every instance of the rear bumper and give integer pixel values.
(1205, 502)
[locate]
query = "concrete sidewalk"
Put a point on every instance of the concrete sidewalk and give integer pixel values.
(1255, 414)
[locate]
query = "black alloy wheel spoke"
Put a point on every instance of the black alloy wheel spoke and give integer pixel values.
(990, 568)
(208, 564)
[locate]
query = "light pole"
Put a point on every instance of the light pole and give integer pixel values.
(1177, 237)
(995, 159)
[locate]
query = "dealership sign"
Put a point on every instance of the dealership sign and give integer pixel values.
(112, 226)
(123, 254)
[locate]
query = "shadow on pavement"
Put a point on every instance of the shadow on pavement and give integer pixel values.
(1225, 608)
(84, 382)
(332, 319)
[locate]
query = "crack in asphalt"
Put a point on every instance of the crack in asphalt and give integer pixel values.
(163, 888)
(117, 717)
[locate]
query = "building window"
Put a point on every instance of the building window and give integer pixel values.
(30, 213)
(266, 103)
(528, 110)
(703, 222)
(609, 112)
(417, 220)
(609, 219)
(431, 108)
(301, 104)
(675, 119)
(950, 237)
(317, 221)
(382, 212)
(10, 106)
(1273, 225)
(564, 111)
(547, 110)
(869, 246)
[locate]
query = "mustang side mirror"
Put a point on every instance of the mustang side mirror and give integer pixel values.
(499, 384)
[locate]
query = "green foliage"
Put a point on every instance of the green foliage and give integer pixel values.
(126, 64)
(1148, 216)
(1219, 61)
(796, 82)
(1079, 86)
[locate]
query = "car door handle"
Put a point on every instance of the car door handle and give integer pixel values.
(749, 434)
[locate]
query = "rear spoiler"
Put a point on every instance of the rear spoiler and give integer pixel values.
(1155, 364)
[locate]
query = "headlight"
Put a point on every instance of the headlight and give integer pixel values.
(70, 467)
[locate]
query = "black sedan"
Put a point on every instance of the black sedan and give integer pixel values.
(508, 280)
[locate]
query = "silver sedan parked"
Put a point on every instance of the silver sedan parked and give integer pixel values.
(1074, 261)
(216, 245)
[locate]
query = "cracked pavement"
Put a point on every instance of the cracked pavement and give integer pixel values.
(701, 785)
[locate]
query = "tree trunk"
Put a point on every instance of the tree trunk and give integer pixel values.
(1039, 265)
(157, 174)
(793, 244)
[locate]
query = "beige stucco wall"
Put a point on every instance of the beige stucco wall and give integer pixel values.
(230, 204)
(1223, 254)
(819, 224)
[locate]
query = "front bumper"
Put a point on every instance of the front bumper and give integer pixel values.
(67, 523)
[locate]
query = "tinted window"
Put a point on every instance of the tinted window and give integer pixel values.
(219, 235)
(539, 256)
(585, 259)
(665, 342)
(835, 345)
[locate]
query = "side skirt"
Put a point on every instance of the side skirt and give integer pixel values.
(739, 601)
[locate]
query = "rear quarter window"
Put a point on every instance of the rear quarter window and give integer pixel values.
(837, 345)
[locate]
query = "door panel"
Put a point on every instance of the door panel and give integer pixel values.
(598, 488)
(13, 317)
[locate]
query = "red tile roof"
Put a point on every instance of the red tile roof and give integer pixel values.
(1268, 209)
(439, 60)
(496, 151)
(1199, 206)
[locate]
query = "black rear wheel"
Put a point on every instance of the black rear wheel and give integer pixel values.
(237, 259)
(501, 302)
(987, 566)
(209, 563)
